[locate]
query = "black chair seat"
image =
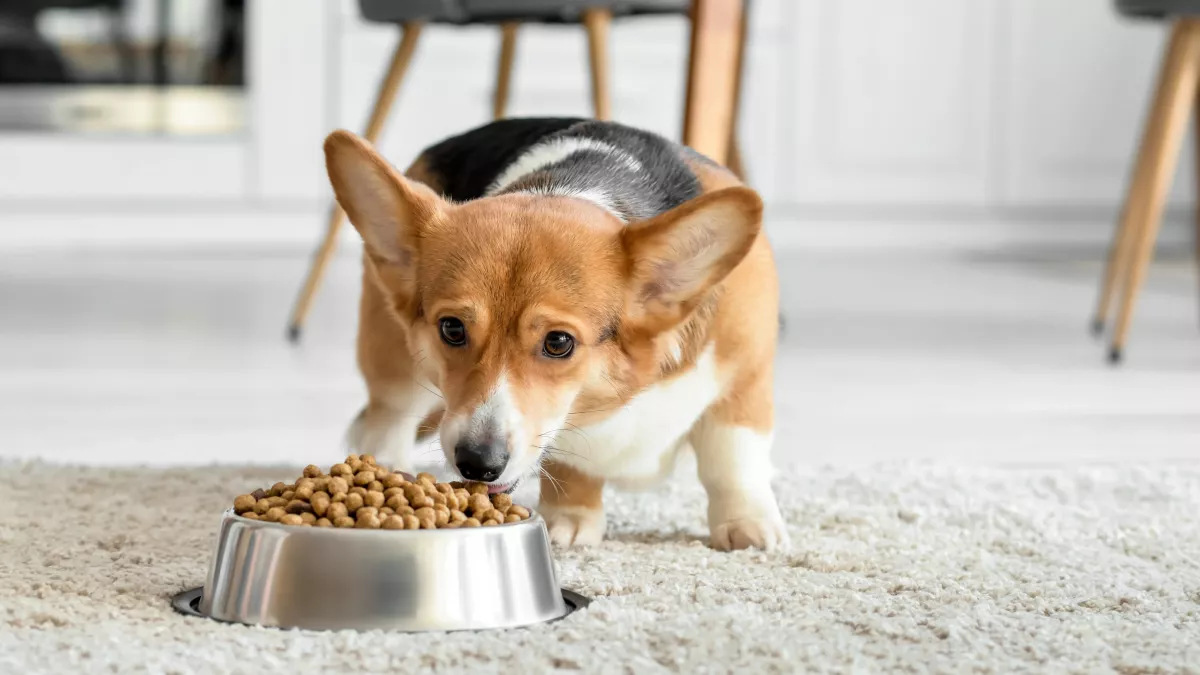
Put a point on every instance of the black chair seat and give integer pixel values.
(464, 12)
(1157, 9)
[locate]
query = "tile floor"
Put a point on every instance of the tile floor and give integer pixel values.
(178, 357)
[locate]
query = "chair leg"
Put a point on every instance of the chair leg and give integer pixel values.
(712, 78)
(735, 161)
(1129, 224)
(1196, 133)
(597, 23)
(410, 33)
(1173, 103)
(504, 68)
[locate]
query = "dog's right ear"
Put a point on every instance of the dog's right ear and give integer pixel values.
(388, 210)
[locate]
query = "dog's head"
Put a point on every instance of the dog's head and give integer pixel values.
(524, 309)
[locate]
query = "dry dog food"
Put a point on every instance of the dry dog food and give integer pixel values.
(361, 494)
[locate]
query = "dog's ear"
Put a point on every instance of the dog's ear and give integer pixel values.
(388, 210)
(677, 257)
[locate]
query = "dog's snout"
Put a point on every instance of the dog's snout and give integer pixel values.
(481, 461)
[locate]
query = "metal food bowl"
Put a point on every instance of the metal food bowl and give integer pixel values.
(283, 576)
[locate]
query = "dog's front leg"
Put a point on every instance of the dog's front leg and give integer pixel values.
(572, 503)
(390, 428)
(732, 442)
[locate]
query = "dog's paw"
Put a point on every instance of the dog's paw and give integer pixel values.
(574, 526)
(735, 529)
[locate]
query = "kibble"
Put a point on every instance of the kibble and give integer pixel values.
(244, 503)
(358, 493)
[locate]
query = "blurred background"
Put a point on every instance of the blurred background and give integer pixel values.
(943, 180)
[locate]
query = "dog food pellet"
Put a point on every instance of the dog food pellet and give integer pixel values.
(358, 493)
(480, 503)
(244, 503)
(337, 486)
(337, 510)
(320, 503)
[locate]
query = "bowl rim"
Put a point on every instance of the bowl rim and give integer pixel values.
(229, 514)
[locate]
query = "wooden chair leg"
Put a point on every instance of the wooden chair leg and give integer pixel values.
(712, 76)
(504, 68)
(1130, 222)
(1196, 133)
(410, 33)
(1173, 103)
(735, 162)
(597, 23)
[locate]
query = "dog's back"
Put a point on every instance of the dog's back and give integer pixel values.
(632, 173)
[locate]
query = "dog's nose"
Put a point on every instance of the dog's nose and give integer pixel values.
(481, 461)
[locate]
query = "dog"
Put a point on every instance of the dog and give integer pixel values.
(569, 299)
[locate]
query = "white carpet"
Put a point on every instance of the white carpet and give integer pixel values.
(910, 567)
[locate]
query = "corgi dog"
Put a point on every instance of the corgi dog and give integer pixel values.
(572, 301)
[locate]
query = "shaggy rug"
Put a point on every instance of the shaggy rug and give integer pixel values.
(920, 568)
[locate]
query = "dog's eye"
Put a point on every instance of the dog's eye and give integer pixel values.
(558, 345)
(454, 333)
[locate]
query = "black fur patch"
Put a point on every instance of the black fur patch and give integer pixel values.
(470, 162)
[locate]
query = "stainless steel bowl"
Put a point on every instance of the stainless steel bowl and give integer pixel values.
(330, 579)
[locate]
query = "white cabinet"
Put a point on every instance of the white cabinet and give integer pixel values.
(890, 102)
(1075, 83)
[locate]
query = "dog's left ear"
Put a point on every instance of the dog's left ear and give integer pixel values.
(678, 256)
(387, 209)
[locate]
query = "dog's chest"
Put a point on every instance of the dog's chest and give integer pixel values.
(639, 443)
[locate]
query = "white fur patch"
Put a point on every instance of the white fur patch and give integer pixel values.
(637, 446)
(554, 151)
(734, 464)
(551, 152)
(574, 525)
(499, 412)
(596, 196)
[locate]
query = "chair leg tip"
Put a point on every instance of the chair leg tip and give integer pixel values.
(1115, 355)
(1097, 327)
(293, 333)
